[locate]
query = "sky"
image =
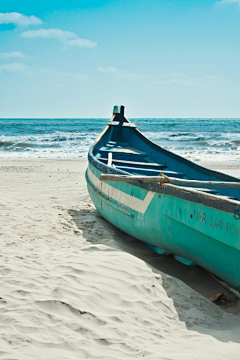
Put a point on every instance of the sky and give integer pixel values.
(159, 58)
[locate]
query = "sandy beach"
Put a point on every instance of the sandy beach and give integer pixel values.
(75, 287)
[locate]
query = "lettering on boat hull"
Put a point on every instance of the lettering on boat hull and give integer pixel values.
(216, 222)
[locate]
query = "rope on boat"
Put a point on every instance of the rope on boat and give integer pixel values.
(167, 180)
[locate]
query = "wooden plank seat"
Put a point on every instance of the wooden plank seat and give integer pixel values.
(116, 148)
(123, 154)
(114, 143)
(209, 191)
(229, 197)
(150, 172)
(136, 164)
(215, 192)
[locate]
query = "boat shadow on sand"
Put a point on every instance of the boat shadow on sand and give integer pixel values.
(96, 230)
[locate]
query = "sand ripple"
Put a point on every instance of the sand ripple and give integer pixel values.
(67, 293)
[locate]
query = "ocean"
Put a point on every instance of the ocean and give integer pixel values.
(196, 139)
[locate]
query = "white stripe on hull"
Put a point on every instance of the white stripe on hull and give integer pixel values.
(120, 196)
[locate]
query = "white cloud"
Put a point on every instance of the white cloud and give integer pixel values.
(177, 74)
(230, 2)
(184, 82)
(76, 76)
(65, 75)
(50, 34)
(121, 74)
(108, 70)
(12, 67)
(177, 79)
(67, 37)
(81, 43)
(19, 19)
(183, 79)
(12, 54)
(213, 77)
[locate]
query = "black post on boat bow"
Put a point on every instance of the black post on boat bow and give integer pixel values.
(118, 112)
(121, 120)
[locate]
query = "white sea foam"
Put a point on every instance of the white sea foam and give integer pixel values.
(195, 139)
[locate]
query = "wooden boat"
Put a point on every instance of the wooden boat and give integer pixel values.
(172, 204)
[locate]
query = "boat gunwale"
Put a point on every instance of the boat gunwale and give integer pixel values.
(189, 194)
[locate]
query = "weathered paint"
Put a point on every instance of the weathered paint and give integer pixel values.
(119, 196)
(195, 226)
(173, 225)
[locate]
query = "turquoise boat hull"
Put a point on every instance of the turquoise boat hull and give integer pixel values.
(194, 226)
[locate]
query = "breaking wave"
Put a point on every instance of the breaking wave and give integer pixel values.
(195, 139)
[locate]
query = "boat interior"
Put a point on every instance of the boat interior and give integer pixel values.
(125, 148)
